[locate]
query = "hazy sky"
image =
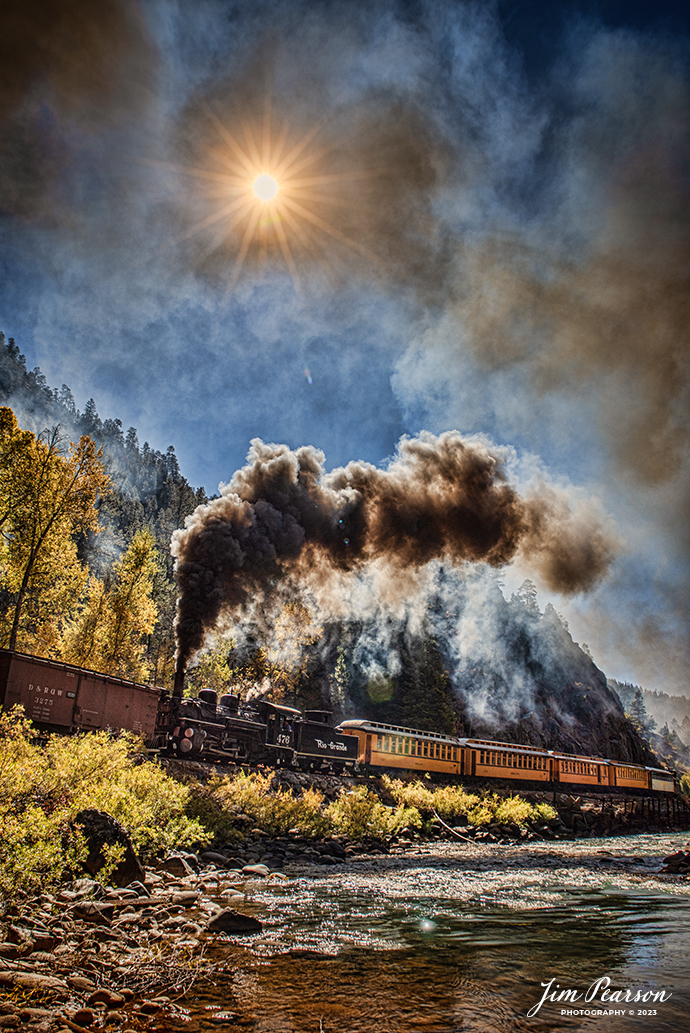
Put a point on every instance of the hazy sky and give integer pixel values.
(481, 225)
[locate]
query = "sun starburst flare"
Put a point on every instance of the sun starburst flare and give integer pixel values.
(270, 194)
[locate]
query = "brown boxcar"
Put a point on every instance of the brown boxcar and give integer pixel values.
(65, 698)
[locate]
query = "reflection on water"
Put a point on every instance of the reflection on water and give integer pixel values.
(339, 956)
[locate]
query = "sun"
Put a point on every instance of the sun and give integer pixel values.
(272, 191)
(265, 187)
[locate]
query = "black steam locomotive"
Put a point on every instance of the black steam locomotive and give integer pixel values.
(253, 732)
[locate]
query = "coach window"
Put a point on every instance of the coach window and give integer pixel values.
(379, 742)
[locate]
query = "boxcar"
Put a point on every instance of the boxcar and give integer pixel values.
(68, 699)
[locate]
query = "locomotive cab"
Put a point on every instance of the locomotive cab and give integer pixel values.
(280, 730)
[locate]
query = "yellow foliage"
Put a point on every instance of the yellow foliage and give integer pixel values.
(359, 813)
(514, 810)
(274, 812)
(109, 634)
(43, 788)
(47, 498)
(451, 802)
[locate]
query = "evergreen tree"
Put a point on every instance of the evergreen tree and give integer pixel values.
(424, 700)
(638, 712)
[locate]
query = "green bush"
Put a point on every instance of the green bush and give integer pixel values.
(42, 788)
(513, 810)
(482, 814)
(453, 802)
(545, 811)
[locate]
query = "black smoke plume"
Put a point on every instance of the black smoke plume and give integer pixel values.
(442, 498)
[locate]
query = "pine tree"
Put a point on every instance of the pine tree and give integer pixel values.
(638, 712)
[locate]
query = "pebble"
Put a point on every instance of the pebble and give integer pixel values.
(256, 869)
(81, 983)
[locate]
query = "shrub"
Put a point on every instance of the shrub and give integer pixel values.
(513, 811)
(447, 801)
(410, 794)
(482, 814)
(273, 812)
(43, 788)
(359, 813)
(453, 802)
(545, 811)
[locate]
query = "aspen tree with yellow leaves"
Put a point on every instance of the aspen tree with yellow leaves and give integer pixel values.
(110, 633)
(48, 495)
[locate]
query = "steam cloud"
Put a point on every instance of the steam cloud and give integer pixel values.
(442, 498)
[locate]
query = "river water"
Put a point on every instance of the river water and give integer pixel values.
(461, 937)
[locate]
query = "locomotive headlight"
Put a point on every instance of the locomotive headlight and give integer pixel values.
(189, 733)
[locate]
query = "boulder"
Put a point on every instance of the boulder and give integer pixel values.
(176, 865)
(94, 911)
(213, 857)
(256, 869)
(231, 921)
(101, 829)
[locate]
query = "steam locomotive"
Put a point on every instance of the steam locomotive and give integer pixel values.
(60, 697)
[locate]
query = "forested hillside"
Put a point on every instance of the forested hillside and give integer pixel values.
(663, 720)
(146, 492)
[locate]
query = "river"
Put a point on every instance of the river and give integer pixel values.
(461, 937)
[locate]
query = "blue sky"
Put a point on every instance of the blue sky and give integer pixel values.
(505, 248)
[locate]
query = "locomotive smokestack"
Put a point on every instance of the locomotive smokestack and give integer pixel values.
(179, 677)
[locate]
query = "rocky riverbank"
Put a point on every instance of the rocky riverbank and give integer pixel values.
(88, 958)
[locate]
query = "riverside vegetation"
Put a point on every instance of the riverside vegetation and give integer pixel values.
(120, 949)
(45, 784)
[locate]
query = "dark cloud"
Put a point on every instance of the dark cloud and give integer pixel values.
(441, 498)
(69, 69)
